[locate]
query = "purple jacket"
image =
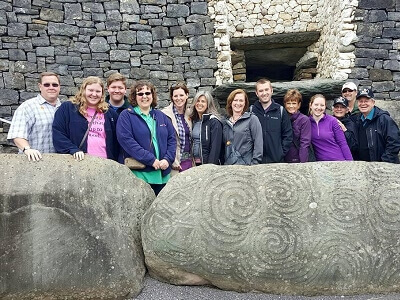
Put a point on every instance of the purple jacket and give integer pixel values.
(328, 140)
(301, 127)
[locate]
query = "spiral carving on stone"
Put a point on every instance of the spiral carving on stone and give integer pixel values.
(281, 228)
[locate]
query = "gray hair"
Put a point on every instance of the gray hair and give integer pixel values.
(211, 109)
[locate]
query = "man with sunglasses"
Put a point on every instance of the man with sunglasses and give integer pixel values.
(31, 127)
(349, 91)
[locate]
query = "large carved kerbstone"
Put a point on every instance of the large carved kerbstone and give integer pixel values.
(315, 228)
(69, 229)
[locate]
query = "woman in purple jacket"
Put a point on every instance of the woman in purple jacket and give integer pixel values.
(301, 125)
(147, 135)
(327, 137)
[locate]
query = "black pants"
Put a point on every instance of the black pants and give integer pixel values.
(157, 187)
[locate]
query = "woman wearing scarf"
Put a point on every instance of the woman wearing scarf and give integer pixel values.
(179, 116)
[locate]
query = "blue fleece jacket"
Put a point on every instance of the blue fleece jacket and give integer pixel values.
(135, 138)
(69, 127)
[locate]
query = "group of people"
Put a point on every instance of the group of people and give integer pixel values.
(177, 137)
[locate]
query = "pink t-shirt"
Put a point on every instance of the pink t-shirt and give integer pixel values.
(96, 140)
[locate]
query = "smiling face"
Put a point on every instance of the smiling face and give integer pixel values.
(292, 106)
(349, 94)
(318, 107)
(339, 110)
(365, 105)
(93, 93)
(238, 104)
(117, 91)
(201, 105)
(179, 98)
(144, 98)
(50, 88)
(264, 92)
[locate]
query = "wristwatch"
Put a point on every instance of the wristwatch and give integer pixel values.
(26, 148)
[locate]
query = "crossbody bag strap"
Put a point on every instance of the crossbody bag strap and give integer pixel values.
(87, 131)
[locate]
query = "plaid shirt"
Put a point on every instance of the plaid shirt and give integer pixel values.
(33, 121)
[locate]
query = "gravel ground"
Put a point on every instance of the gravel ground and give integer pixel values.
(155, 290)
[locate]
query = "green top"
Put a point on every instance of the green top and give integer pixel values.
(355, 108)
(153, 177)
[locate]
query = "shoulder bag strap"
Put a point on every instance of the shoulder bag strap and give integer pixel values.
(87, 131)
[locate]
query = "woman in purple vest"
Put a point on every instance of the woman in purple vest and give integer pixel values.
(327, 137)
(299, 149)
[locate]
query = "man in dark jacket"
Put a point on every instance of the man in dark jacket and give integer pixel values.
(378, 133)
(275, 123)
(116, 87)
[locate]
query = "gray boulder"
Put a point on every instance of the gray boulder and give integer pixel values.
(69, 229)
(315, 228)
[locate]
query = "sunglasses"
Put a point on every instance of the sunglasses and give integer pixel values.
(52, 84)
(347, 91)
(141, 94)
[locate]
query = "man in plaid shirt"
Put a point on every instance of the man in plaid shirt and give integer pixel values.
(31, 127)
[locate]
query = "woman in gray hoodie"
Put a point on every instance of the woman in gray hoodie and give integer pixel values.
(242, 133)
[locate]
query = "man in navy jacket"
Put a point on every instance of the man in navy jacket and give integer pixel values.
(275, 123)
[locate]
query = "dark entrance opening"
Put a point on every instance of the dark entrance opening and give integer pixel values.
(275, 57)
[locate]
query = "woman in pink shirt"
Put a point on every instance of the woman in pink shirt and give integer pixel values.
(85, 124)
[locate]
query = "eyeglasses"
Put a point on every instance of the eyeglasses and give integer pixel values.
(142, 94)
(52, 84)
(347, 91)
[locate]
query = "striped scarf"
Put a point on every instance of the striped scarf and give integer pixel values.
(181, 130)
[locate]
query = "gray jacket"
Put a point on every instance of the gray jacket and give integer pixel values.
(243, 141)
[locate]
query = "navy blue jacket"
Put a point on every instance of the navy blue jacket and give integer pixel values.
(383, 136)
(350, 133)
(69, 127)
(210, 139)
(277, 131)
(135, 138)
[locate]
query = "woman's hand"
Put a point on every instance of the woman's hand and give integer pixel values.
(79, 155)
(164, 164)
(176, 167)
(156, 164)
(342, 126)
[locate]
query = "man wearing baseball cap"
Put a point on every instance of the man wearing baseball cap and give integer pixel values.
(340, 110)
(378, 133)
(349, 91)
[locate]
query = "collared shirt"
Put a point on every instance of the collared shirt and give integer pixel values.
(369, 116)
(33, 121)
(153, 177)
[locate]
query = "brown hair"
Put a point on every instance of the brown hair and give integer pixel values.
(43, 74)
(177, 86)
(116, 77)
(313, 99)
(292, 95)
(137, 86)
(79, 98)
(229, 101)
(262, 81)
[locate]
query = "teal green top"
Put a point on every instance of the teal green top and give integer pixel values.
(153, 177)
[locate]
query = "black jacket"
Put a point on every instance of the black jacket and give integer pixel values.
(277, 131)
(210, 139)
(383, 136)
(350, 134)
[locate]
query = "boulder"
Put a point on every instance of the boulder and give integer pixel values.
(69, 229)
(314, 228)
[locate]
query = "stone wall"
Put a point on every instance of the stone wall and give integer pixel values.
(377, 62)
(241, 19)
(159, 40)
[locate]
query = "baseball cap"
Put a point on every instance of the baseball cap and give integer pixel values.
(365, 93)
(341, 100)
(349, 85)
